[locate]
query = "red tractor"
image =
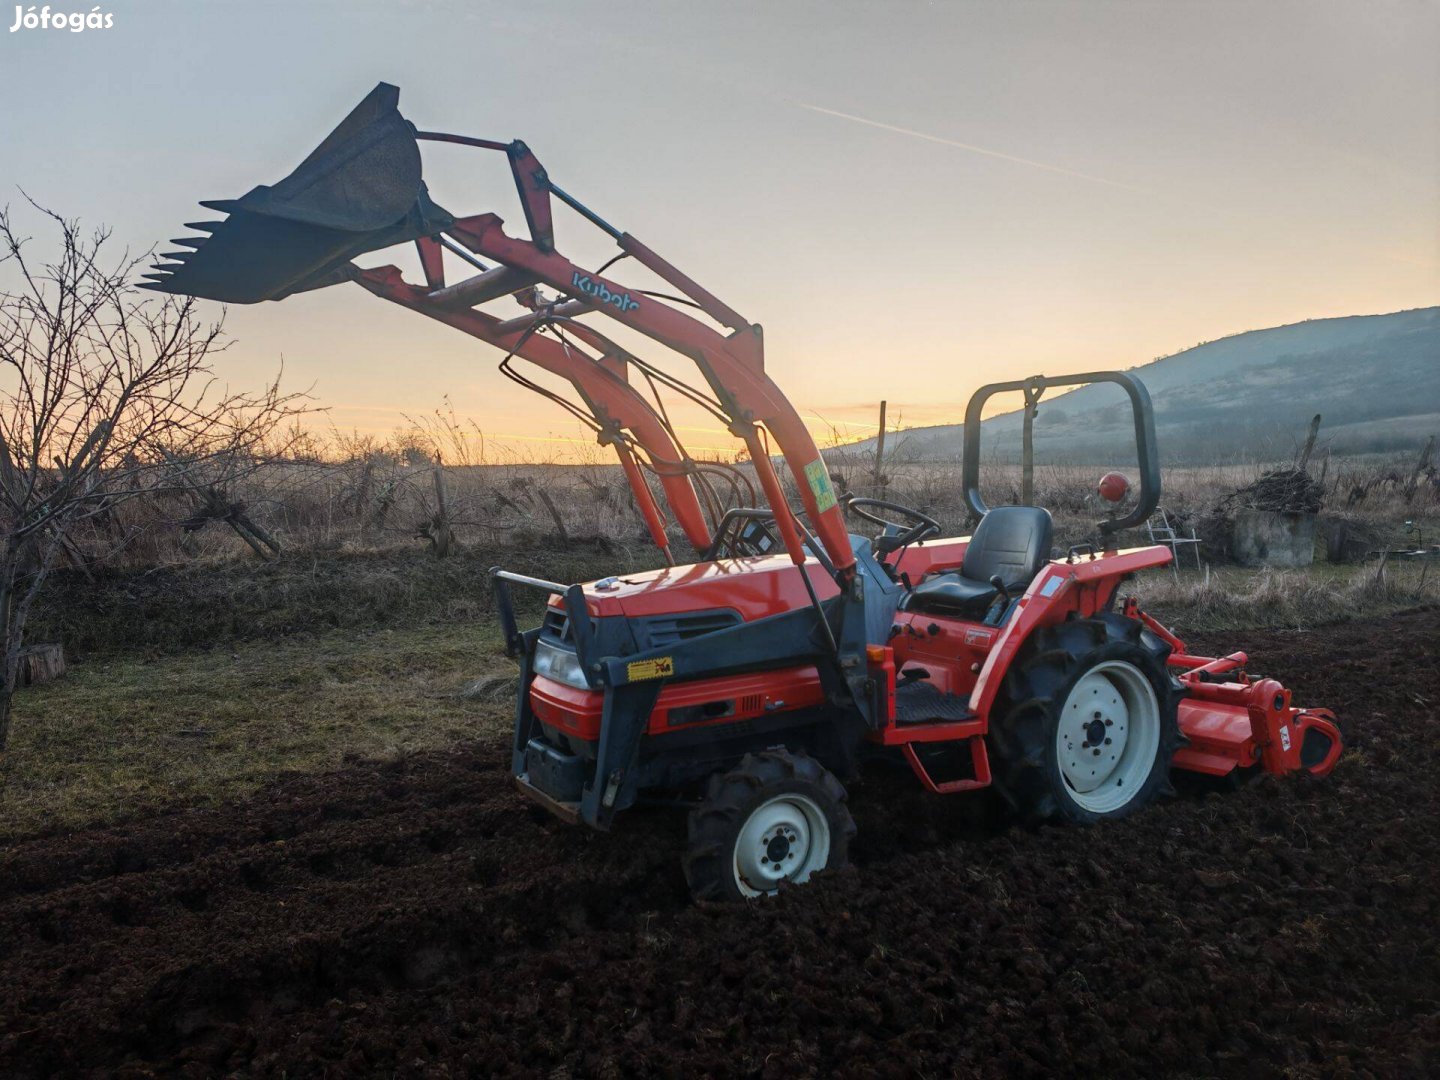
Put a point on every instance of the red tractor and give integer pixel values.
(748, 684)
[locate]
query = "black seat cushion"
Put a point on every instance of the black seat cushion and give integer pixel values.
(1011, 542)
(951, 593)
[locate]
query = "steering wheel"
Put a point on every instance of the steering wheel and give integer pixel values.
(904, 535)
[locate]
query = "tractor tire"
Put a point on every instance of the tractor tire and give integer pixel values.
(775, 818)
(1089, 722)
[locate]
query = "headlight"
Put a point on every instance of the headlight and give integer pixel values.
(559, 664)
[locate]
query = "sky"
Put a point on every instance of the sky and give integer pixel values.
(913, 198)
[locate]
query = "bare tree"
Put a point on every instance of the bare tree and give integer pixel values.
(105, 396)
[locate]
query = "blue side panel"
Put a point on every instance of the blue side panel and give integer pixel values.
(882, 596)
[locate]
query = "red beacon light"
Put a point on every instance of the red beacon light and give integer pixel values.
(1113, 487)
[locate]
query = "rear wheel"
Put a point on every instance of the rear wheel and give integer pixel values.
(775, 818)
(1090, 722)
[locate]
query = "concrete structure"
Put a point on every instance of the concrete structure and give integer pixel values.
(1266, 538)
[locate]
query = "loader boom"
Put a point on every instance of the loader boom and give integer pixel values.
(610, 399)
(361, 190)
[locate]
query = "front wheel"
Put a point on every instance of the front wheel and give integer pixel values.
(775, 818)
(1092, 722)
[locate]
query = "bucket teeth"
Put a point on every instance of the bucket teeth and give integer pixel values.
(360, 190)
(155, 277)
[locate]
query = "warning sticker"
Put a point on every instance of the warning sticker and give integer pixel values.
(659, 668)
(819, 481)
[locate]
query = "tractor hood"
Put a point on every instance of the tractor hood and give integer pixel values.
(755, 587)
(759, 587)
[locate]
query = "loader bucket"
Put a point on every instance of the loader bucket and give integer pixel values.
(360, 190)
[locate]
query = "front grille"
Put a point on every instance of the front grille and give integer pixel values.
(557, 624)
(661, 632)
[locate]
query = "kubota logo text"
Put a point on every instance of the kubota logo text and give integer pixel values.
(75, 22)
(599, 291)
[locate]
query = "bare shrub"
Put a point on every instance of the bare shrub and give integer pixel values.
(105, 400)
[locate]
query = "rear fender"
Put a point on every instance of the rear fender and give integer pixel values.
(1081, 586)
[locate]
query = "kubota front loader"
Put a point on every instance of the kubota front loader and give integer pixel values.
(748, 684)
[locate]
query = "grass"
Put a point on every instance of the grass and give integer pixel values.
(166, 609)
(129, 734)
(202, 684)
(1238, 599)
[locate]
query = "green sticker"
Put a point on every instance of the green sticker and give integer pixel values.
(819, 480)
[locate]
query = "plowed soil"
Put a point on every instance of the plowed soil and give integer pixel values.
(418, 918)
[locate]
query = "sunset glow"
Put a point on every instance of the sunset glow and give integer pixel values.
(912, 199)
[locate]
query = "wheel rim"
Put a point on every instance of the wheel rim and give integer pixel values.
(786, 838)
(1108, 736)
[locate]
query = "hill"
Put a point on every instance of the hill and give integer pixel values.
(1374, 378)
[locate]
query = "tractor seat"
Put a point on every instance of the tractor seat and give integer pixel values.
(1011, 542)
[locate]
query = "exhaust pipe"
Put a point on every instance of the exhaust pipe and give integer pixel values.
(360, 190)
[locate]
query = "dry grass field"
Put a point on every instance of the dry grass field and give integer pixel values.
(384, 497)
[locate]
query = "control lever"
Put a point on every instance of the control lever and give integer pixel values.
(997, 606)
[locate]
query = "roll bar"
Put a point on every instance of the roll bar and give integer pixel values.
(1145, 444)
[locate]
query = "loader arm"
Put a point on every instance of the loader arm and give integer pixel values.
(611, 400)
(361, 191)
(733, 365)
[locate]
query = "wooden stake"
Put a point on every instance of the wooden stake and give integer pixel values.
(362, 489)
(1304, 459)
(1414, 482)
(1033, 390)
(880, 448)
(442, 535)
(554, 515)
